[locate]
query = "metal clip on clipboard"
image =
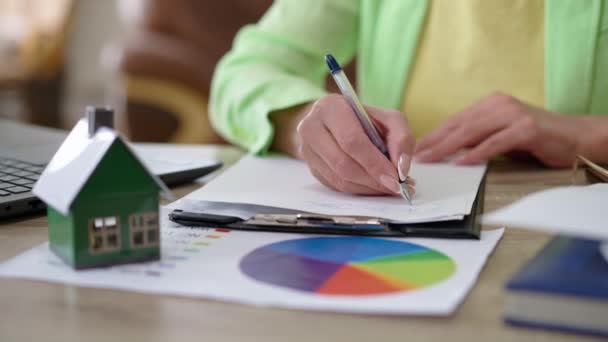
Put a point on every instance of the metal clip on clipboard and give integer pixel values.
(321, 222)
(302, 223)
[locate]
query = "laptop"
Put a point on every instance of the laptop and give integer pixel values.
(25, 150)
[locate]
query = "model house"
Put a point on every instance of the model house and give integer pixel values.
(102, 200)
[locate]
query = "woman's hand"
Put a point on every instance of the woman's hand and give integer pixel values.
(329, 137)
(500, 124)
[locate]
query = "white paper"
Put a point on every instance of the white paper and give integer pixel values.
(580, 211)
(205, 263)
(443, 191)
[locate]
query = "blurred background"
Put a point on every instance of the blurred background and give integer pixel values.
(152, 60)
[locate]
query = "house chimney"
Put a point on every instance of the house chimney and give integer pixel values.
(98, 117)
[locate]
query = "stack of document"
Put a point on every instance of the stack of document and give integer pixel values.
(354, 274)
(444, 191)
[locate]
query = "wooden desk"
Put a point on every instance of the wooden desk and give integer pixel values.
(32, 311)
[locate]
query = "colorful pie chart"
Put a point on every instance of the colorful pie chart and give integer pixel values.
(347, 266)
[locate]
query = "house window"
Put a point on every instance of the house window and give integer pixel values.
(143, 228)
(104, 234)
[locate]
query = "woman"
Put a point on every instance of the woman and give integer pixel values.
(495, 77)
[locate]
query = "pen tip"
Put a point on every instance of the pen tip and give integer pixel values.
(332, 63)
(405, 193)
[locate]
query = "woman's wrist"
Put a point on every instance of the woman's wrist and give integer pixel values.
(285, 128)
(593, 138)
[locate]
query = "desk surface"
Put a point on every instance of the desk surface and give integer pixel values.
(49, 312)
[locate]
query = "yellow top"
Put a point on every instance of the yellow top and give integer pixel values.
(470, 48)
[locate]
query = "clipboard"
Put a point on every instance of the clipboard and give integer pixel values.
(304, 223)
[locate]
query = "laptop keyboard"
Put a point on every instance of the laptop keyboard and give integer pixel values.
(17, 176)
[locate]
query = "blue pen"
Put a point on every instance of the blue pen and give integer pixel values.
(368, 126)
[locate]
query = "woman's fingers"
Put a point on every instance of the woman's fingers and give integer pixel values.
(347, 131)
(400, 141)
(455, 121)
(513, 137)
(479, 125)
(326, 150)
(340, 153)
(329, 178)
(437, 134)
(467, 134)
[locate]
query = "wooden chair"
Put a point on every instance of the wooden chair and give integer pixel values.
(36, 70)
(167, 64)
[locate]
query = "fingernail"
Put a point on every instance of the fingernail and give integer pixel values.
(403, 165)
(461, 159)
(301, 151)
(390, 183)
(411, 181)
(411, 189)
(423, 156)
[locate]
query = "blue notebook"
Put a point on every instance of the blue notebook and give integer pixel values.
(565, 287)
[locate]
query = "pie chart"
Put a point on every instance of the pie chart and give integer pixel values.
(347, 266)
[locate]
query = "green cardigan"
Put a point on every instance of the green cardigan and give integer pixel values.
(279, 62)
